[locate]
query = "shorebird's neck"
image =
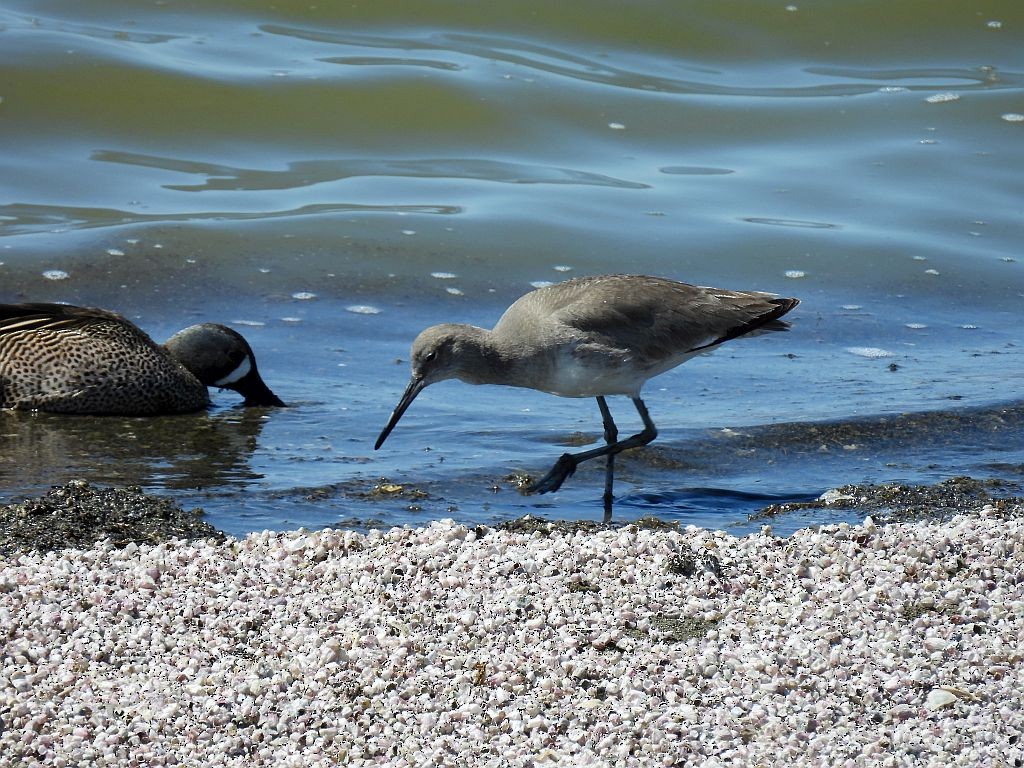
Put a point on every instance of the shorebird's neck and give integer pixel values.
(485, 357)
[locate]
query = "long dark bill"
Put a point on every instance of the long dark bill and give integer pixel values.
(416, 386)
(256, 392)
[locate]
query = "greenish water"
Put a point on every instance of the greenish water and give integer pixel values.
(278, 166)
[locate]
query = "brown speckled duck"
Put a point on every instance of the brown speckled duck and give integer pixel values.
(65, 359)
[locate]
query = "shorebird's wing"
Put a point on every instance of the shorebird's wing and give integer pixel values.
(663, 317)
(746, 313)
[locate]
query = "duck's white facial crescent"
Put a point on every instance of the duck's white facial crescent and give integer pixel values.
(236, 375)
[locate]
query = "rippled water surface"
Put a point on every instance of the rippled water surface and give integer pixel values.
(330, 179)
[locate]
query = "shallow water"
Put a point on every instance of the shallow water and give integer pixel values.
(331, 180)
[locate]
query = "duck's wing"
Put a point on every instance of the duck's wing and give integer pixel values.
(47, 319)
(61, 358)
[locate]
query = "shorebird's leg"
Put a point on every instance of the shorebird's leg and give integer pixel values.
(611, 434)
(568, 462)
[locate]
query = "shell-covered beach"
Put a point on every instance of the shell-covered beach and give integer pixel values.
(876, 644)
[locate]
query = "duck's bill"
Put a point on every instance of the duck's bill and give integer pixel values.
(256, 392)
(416, 386)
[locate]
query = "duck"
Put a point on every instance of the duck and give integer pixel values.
(60, 358)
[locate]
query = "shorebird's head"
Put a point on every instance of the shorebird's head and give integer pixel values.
(438, 353)
(219, 357)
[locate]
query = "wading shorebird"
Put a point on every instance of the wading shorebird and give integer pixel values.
(82, 360)
(590, 337)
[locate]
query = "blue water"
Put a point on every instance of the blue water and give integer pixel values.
(330, 180)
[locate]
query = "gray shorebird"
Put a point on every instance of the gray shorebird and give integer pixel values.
(65, 359)
(590, 337)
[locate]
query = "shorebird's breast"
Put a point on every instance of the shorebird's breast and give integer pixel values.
(590, 370)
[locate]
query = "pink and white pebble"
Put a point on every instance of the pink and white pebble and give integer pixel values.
(877, 645)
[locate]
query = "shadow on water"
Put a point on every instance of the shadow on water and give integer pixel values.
(912, 439)
(718, 478)
(174, 453)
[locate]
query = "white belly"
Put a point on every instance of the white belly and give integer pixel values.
(575, 375)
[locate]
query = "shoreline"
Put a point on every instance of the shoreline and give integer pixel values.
(894, 644)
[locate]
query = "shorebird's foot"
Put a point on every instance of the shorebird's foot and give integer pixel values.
(559, 473)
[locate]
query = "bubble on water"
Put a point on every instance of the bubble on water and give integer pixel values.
(792, 8)
(1013, 117)
(249, 323)
(969, 327)
(942, 98)
(114, 252)
(454, 291)
(932, 272)
(443, 275)
(56, 274)
(916, 326)
(362, 309)
(920, 258)
(617, 126)
(872, 353)
(928, 141)
(291, 319)
(132, 241)
(994, 24)
(541, 283)
(562, 268)
(794, 274)
(852, 306)
(893, 89)
(303, 295)
(408, 231)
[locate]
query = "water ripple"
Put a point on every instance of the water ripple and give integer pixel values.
(25, 218)
(38, 23)
(942, 78)
(391, 61)
(548, 60)
(791, 223)
(306, 173)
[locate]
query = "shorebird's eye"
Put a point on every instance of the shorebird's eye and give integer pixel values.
(430, 356)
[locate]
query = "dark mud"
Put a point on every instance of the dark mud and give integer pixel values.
(910, 503)
(78, 515)
(545, 527)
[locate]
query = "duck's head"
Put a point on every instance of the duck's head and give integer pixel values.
(219, 357)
